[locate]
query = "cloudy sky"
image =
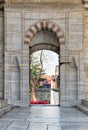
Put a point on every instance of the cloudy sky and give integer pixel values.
(50, 60)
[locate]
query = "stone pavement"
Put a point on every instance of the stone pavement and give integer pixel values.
(44, 118)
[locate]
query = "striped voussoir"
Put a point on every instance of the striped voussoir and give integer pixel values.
(43, 25)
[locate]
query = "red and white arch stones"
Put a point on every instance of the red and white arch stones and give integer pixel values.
(43, 25)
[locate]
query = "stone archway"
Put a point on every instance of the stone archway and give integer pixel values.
(69, 68)
(41, 25)
(31, 33)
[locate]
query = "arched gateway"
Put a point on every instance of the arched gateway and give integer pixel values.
(38, 37)
(32, 26)
(45, 35)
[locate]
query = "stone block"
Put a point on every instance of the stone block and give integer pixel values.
(3, 103)
(13, 31)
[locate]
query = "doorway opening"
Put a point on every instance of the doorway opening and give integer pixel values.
(44, 82)
(46, 35)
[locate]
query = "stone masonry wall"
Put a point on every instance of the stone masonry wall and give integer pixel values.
(17, 22)
(1, 55)
(86, 51)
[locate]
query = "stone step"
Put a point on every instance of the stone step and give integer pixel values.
(5, 109)
(3, 103)
(83, 108)
(85, 102)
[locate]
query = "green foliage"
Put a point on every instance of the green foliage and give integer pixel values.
(35, 70)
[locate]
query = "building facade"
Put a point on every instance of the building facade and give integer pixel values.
(27, 26)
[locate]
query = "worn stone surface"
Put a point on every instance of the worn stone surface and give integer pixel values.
(40, 117)
(83, 106)
(44, 1)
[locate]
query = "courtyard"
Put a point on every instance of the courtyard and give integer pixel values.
(44, 118)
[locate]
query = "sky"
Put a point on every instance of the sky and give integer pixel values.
(50, 60)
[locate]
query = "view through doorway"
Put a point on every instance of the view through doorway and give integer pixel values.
(44, 78)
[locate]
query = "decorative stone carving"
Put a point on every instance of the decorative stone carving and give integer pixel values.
(15, 79)
(73, 81)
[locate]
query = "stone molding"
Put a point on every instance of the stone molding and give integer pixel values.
(43, 1)
(54, 6)
(34, 4)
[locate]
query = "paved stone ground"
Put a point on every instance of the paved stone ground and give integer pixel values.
(44, 118)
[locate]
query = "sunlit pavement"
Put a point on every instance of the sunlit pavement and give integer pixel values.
(44, 118)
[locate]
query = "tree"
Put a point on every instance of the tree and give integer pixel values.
(36, 70)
